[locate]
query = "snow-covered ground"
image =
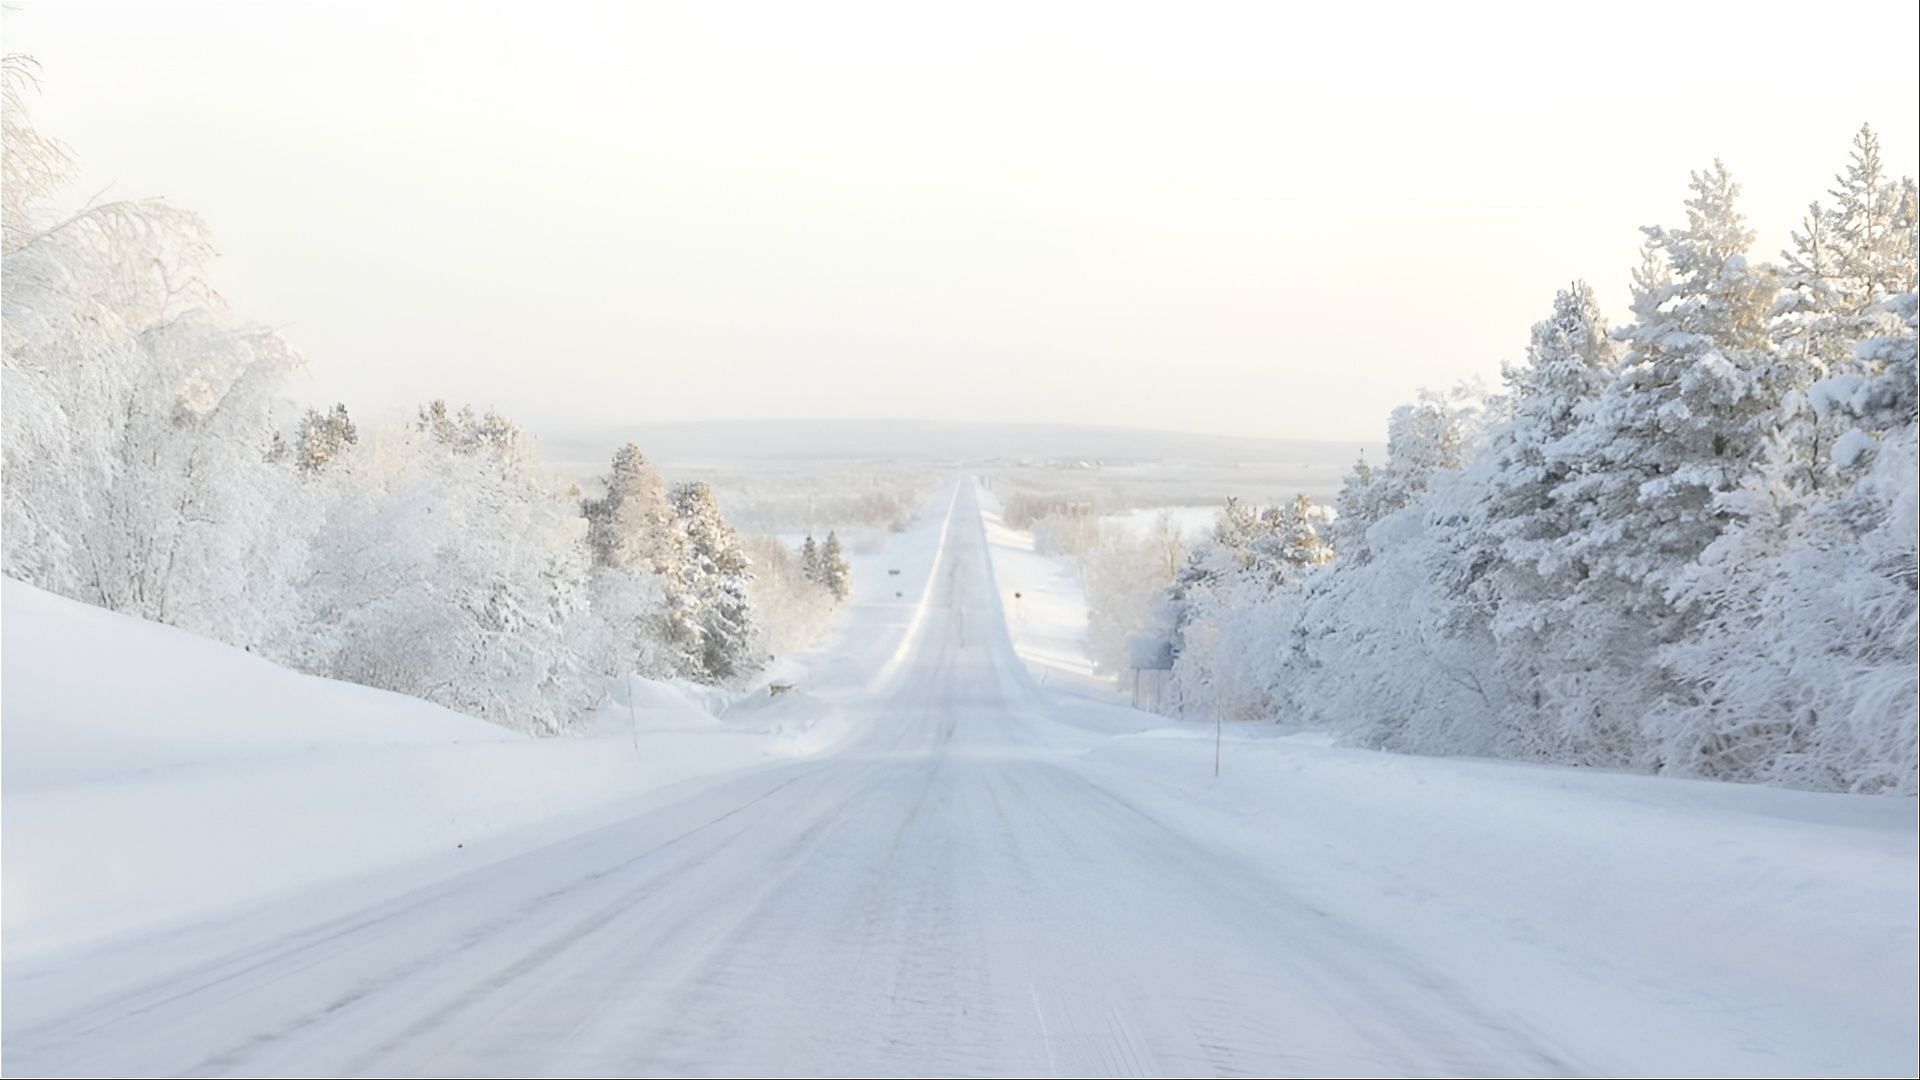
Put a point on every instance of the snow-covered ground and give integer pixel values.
(1191, 522)
(954, 862)
(152, 776)
(1046, 612)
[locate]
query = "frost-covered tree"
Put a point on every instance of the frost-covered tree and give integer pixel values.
(632, 526)
(1882, 398)
(1255, 560)
(1228, 549)
(1875, 225)
(810, 565)
(1499, 561)
(1434, 433)
(1125, 576)
(638, 546)
(791, 609)
(1847, 266)
(633, 530)
(1695, 557)
(322, 437)
(1872, 224)
(449, 570)
(1806, 668)
(33, 167)
(1685, 419)
(1802, 670)
(1682, 424)
(1270, 547)
(1375, 641)
(1352, 506)
(151, 464)
(1299, 528)
(835, 573)
(468, 432)
(1212, 563)
(716, 575)
(137, 409)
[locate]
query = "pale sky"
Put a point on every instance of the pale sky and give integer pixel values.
(1252, 219)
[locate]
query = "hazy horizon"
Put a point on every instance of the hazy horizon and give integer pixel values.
(1069, 214)
(582, 451)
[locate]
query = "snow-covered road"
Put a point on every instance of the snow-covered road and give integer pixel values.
(958, 888)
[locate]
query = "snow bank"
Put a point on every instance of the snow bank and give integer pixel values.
(1712, 928)
(1048, 618)
(151, 775)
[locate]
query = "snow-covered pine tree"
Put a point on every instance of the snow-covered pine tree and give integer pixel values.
(716, 573)
(1812, 340)
(1872, 224)
(1435, 433)
(1289, 542)
(1888, 395)
(810, 565)
(835, 574)
(468, 432)
(631, 526)
(1692, 404)
(1350, 521)
(1226, 551)
(323, 436)
(1303, 524)
(1247, 573)
(1875, 230)
(1682, 424)
(1367, 643)
(1804, 671)
(633, 533)
(1846, 263)
(1570, 361)
(1500, 564)
(1808, 663)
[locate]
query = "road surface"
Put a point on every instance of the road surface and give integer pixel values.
(949, 892)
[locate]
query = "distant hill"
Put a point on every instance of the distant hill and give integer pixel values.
(926, 443)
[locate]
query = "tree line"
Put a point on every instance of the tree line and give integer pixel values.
(1685, 545)
(153, 465)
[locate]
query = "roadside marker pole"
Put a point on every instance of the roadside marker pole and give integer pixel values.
(633, 714)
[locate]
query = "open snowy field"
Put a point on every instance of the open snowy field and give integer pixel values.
(1185, 488)
(928, 859)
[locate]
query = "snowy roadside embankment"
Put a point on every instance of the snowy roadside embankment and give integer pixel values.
(1045, 606)
(153, 776)
(1712, 928)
